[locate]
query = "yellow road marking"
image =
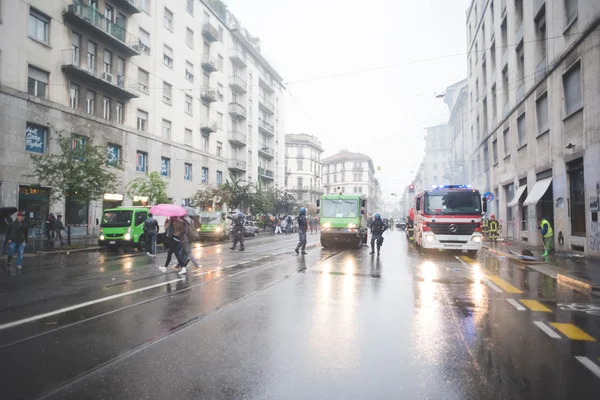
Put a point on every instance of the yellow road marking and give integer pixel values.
(535, 305)
(503, 284)
(572, 332)
(468, 260)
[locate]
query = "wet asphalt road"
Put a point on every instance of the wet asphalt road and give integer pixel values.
(268, 324)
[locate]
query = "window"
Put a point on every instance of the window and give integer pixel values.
(168, 56)
(37, 83)
(90, 100)
(189, 38)
(78, 146)
(435, 179)
(219, 177)
(119, 107)
(493, 59)
(168, 20)
(570, 11)
(220, 63)
(486, 158)
(300, 164)
(541, 109)
(113, 155)
(189, 71)
(91, 57)
(75, 48)
(219, 149)
(541, 37)
(505, 87)
(190, 6)
(204, 175)
(142, 120)
(144, 5)
(35, 138)
(166, 129)
(106, 108)
(220, 120)
(167, 91)
(189, 104)
(494, 103)
(518, 12)
(39, 26)
(165, 166)
(107, 64)
(141, 164)
(144, 41)
(495, 151)
(506, 140)
(572, 88)
(74, 96)
(187, 171)
(188, 137)
(520, 66)
(204, 143)
(143, 78)
(521, 133)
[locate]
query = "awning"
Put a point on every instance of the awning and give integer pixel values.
(515, 199)
(537, 192)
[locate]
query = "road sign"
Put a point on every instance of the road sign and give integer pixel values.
(489, 196)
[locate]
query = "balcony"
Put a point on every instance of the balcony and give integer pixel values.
(266, 105)
(108, 82)
(519, 34)
(265, 127)
(266, 173)
(237, 83)
(238, 57)
(237, 110)
(237, 138)
(266, 151)
(237, 164)
(90, 20)
(209, 95)
(502, 8)
(306, 189)
(504, 58)
(208, 125)
(210, 32)
(541, 69)
(265, 84)
(129, 6)
(209, 63)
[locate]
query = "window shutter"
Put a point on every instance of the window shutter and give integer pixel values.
(542, 113)
(572, 86)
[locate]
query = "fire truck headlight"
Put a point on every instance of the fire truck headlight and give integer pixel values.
(429, 238)
(477, 239)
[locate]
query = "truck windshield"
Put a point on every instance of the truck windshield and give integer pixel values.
(210, 218)
(117, 218)
(340, 208)
(452, 203)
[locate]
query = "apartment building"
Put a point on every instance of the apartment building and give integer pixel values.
(175, 87)
(534, 138)
(352, 173)
(303, 167)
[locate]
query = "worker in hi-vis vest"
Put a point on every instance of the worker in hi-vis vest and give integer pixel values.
(547, 235)
(494, 227)
(485, 225)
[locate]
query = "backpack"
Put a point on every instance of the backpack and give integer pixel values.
(377, 225)
(191, 232)
(169, 231)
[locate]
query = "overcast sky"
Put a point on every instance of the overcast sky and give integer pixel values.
(381, 112)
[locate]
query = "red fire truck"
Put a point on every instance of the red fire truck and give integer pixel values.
(448, 217)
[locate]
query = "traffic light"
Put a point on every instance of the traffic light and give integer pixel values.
(411, 188)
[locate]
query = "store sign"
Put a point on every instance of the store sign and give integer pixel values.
(35, 139)
(113, 197)
(595, 203)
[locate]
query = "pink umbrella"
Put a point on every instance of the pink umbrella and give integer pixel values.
(168, 210)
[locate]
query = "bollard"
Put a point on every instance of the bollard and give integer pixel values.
(68, 235)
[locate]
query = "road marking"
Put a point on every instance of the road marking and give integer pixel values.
(572, 332)
(516, 305)
(468, 260)
(547, 329)
(535, 305)
(503, 284)
(494, 287)
(589, 364)
(81, 305)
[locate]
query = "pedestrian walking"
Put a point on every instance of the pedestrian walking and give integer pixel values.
(290, 225)
(151, 229)
(173, 233)
(284, 225)
(17, 237)
(58, 227)
(302, 226)
(237, 230)
(378, 226)
(547, 235)
(273, 225)
(278, 226)
(50, 229)
(186, 243)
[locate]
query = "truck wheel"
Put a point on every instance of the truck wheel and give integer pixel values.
(324, 243)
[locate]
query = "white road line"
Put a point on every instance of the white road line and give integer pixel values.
(547, 329)
(492, 285)
(516, 305)
(88, 303)
(589, 364)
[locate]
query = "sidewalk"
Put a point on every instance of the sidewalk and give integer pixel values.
(567, 267)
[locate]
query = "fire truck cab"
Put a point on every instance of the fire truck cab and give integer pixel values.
(448, 217)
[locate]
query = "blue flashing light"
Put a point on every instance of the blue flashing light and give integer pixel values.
(451, 187)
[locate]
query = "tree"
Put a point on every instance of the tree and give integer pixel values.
(78, 172)
(285, 203)
(151, 186)
(236, 194)
(205, 196)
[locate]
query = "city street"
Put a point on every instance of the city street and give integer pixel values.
(269, 324)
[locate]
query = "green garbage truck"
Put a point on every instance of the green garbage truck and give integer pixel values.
(343, 219)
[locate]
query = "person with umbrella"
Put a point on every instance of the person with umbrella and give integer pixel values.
(174, 231)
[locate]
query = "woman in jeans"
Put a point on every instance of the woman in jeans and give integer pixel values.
(176, 227)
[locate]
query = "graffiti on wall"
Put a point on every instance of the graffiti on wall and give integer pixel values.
(595, 236)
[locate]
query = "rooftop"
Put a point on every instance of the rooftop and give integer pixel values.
(297, 138)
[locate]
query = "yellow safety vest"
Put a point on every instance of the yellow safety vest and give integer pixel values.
(485, 222)
(549, 232)
(494, 226)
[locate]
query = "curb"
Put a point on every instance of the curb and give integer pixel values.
(48, 253)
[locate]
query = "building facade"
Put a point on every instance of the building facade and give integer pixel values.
(352, 173)
(303, 167)
(534, 135)
(181, 89)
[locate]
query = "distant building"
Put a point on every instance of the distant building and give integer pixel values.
(303, 167)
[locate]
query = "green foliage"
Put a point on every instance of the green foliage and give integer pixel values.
(150, 185)
(205, 196)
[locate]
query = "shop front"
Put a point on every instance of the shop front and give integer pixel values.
(112, 200)
(77, 216)
(35, 202)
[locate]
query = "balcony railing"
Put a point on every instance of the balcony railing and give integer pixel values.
(237, 110)
(266, 173)
(237, 137)
(266, 84)
(238, 57)
(209, 63)
(541, 69)
(265, 127)
(210, 32)
(208, 125)
(237, 164)
(237, 83)
(266, 151)
(84, 16)
(108, 81)
(313, 188)
(209, 95)
(266, 105)
(130, 6)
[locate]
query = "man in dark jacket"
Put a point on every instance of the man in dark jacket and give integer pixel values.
(302, 226)
(58, 227)
(17, 237)
(151, 230)
(237, 230)
(50, 228)
(378, 226)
